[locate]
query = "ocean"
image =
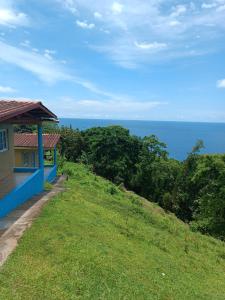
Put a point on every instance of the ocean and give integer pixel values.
(180, 137)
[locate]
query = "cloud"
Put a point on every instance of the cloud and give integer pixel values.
(46, 68)
(25, 43)
(11, 17)
(178, 11)
(97, 15)
(69, 5)
(7, 89)
(97, 90)
(117, 8)
(221, 83)
(108, 109)
(151, 46)
(49, 54)
(151, 20)
(39, 65)
(221, 8)
(174, 23)
(131, 54)
(85, 25)
(209, 5)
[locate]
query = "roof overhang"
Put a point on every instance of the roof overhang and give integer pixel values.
(25, 112)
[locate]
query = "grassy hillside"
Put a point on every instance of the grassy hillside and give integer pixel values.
(97, 242)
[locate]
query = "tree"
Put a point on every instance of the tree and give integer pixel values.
(187, 190)
(156, 174)
(209, 217)
(112, 152)
(72, 144)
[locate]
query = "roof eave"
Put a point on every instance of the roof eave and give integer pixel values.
(10, 117)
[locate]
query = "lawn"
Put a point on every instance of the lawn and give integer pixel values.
(95, 241)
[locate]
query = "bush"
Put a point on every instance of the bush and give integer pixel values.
(192, 189)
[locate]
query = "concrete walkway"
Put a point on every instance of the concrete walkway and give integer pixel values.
(13, 226)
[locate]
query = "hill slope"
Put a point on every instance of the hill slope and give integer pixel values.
(97, 242)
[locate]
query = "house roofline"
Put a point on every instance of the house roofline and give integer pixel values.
(25, 107)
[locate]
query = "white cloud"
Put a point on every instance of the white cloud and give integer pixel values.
(35, 50)
(96, 90)
(151, 46)
(69, 5)
(117, 8)
(178, 11)
(46, 70)
(10, 17)
(25, 43)
(49, 54)
(209, 5)
(109, 109)
(221, 83)
(174, 23)
(85, 25)
(152, 20)
(97, 15)
(7, 89)
(221, 8)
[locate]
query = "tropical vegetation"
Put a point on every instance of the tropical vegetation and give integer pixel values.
(96, 240)
(193, 189)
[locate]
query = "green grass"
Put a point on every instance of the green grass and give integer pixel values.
(95, 241)
(48, 186)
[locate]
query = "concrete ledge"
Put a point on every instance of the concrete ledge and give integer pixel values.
(10, 238)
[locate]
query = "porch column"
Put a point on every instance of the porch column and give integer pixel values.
(55, 156)
(40, 148)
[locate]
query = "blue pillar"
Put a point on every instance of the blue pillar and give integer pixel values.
(55, 156)
(41, 153)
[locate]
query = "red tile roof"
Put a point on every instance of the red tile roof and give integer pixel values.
(27, 140)
(10, 109)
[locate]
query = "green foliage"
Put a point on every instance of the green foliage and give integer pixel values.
(192, 189)
(25, 128)
(50, 127)
(112, 152)
(72, 144)
(91, 244)
(209, 217)
(197, 147)
(48, 186)
(167, 202)
(60, 163)
(155, 177)
(185, 190)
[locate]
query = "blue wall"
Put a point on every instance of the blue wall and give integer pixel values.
(33, 185)
(52, 174)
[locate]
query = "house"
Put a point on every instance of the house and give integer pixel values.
(18, 184)
(26, 152)
(26, 148)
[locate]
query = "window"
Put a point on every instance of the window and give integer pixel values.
(26, 159)
(3, 140)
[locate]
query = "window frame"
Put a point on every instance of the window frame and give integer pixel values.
(5, 142)
(26, 159)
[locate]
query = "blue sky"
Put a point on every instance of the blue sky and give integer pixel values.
(123, 59)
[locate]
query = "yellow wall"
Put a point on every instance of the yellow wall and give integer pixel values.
(7, 157)
(19, 157)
